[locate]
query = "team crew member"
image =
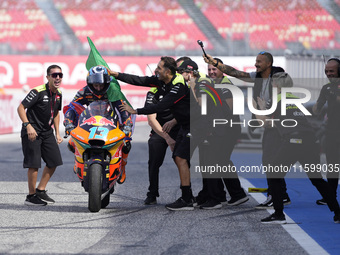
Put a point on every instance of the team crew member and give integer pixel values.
(98, 83)
(232, 134)
(298, 144)
(177, 99)
(262, 80)
(158, 142)
(43, 104)
(330, 93)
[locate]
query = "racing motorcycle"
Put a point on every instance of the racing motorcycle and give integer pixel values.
(97, 142)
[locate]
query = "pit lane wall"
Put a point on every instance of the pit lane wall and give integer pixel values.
(19, 74)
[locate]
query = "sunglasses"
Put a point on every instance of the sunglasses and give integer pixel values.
(263, 52)
(55, 75)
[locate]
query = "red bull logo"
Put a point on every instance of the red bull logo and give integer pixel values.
(98, 121)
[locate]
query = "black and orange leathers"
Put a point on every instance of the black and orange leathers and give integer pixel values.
(85, 97)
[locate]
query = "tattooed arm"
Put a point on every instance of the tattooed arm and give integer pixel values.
(229, 70)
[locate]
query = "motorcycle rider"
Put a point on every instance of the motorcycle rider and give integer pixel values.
(98, 82)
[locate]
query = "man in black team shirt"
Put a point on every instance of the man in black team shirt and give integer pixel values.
(298, 143)
(330, 93)
(176, 98)
(39, 111)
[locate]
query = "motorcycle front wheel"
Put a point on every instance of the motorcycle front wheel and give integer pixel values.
(95, 187)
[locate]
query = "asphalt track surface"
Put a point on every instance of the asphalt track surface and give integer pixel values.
(127, 226)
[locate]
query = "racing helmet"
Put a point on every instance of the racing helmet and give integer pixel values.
(98, 75)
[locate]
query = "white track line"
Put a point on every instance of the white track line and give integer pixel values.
(302, 238)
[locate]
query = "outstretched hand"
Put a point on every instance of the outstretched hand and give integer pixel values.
(128, 108)
(209, 59)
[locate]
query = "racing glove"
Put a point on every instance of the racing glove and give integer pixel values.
(69, 127)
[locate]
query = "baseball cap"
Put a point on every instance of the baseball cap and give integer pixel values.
(188, 65)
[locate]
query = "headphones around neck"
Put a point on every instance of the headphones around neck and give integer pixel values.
(337, 60)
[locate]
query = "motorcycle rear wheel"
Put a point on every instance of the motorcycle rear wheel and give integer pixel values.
(95, 187)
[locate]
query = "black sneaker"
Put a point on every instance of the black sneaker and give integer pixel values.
(286, 201)
(180, 205)
(223, 201)
(337, 218)
(321, 202)
(275, 219)
(268, 204)
(34, 200)
(198, 201)
(150, 201)
(238, 201)
(44, 197)
(211, 204)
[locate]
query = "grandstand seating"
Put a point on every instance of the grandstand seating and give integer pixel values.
(131, 25)
(25, 26)
(150, 25)
(271, 24)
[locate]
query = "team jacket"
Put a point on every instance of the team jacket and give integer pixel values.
(176, 96)
(329, 93)
(42, 107)
(300, 126)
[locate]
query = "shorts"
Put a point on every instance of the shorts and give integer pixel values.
(182, 146)
(44, 146)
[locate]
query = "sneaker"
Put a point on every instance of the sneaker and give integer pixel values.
(238, 201)
(150, 201)
(198, 202)
(337, 218)
(180, 205)
(286, 201)
(223, 201)
(34, 200)
(275, 219)
(44, 197)
(268, 204)
(211, 204)
(321, 202)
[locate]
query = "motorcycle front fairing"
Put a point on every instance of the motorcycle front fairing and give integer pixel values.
(98, 139)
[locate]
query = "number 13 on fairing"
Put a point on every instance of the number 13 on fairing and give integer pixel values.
(98, 133)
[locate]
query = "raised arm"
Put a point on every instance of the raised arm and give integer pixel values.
(229, 70)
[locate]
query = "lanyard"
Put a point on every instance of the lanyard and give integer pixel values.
(52, 107)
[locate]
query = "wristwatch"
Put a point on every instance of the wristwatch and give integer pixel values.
(25, 124)
(215, 65)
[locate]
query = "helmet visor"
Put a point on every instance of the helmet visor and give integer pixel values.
(98, 78)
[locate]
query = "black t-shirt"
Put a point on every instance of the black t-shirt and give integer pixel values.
(329, 93)
(176, 96)
(42, 106)
(294, 122)
(154, 96)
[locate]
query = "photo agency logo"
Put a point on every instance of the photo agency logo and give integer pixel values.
(239, 101)
(204, 98)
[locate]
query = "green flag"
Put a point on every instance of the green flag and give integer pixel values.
(95, 59)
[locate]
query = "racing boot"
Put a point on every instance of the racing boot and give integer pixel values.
(71, 145)
(125, 154)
